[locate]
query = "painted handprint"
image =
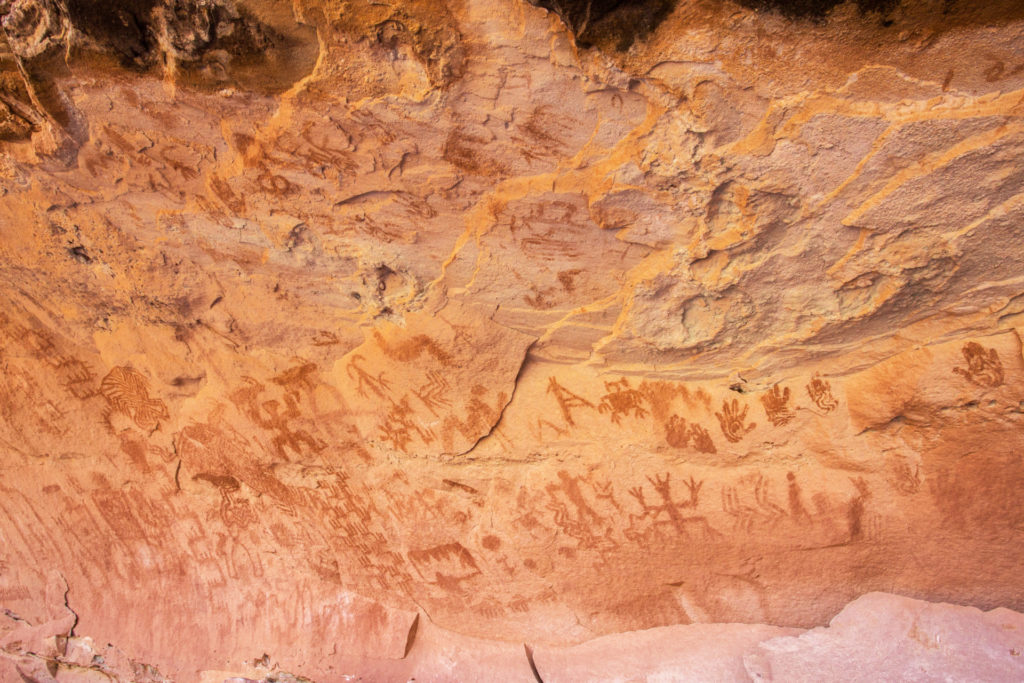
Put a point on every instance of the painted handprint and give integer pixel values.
(776, 406)
(731, 418)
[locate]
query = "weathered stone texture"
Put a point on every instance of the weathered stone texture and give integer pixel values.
(383, 338)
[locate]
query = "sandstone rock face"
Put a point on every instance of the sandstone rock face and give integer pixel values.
(382, 339)
(885, 637)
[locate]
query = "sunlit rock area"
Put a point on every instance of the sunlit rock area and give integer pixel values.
(496, 340)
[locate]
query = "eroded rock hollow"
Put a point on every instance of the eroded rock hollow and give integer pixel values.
(491, 340)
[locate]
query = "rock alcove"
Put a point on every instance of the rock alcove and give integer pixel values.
(492, 340)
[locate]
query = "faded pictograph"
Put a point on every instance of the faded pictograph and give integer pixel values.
(820, 391)
(679, 434)
(127, 393)
(732, 420)
(983, 365)
(776, 405)
(271, 415)
(667, 512)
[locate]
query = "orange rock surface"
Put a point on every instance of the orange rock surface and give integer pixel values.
(410, 339)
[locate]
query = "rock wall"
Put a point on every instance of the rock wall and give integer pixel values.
(334, 335)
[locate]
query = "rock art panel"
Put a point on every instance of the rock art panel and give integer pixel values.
(406, 386)
(404, 340)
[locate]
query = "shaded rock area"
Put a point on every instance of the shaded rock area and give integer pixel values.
(594, 341)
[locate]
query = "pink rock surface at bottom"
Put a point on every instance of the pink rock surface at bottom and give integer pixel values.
(882, 637)
(877, 637)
